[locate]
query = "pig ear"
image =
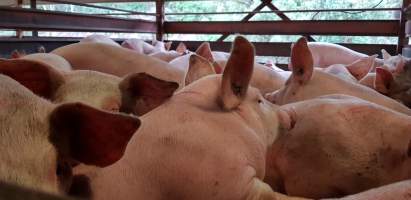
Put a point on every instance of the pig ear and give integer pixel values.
(204, 50)
(41, 49)
(167, 45)
(383, 80)
(286, 118)
(16, 54)
(237, 73)
(40, 78)
(385, 54)
(142, 92)
(301, 61)
(217, 68)
(89, 135)
(361, 67)
(181, 48)
(197, 68)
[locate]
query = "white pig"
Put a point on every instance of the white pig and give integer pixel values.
(117, 61)
(136, 93)
(95, 38)
(306, 83)
(40, 140)
(211, 143)
(339, 145)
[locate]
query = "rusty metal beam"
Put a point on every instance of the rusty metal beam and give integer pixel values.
(329, 27)
(402, 38)
(30, 45)
(160, 19)
(283, 48)
(27, 19)
(246, 18)
(285, 18)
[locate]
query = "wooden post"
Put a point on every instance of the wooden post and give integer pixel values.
(160, 19)
(402, 38)
(33, 5)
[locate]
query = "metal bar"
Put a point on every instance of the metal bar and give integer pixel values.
(402, 38)
(160, 19)
(27, 19)
(96, 6)
(283, 48)
(246, 18)
(33, 5)
(19, 32)
(286, 18)
(289, 11)
(323, 27)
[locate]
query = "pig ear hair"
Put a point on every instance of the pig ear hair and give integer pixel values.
(198, 67)
(360, 68)
(181, 48)
(383, 80)
(142, 92)
(38, 77)
(385, 54)
(89, 135)
(301, 61)
(204, 50)
(237, 73)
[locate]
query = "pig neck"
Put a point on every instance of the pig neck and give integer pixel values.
(24, 139)
(358, 90)
(141, 165)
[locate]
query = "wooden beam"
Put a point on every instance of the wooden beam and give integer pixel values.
(323, 27)
(28, 19)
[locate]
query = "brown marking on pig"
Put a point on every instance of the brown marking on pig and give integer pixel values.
(142, 92)
(91, 137)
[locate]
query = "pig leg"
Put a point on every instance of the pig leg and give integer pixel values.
(262, 191)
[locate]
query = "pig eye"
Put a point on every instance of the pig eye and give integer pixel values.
(260, 101)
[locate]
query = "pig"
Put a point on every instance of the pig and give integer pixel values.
(52, 60)
(160, 46)
(394, 64)
(353, 72)
(396, 86)
(325, 54)
(95, 38)
(168, 56)
(307, 82)
(395, 191)
(337, 145)
(40, 140)
(137, 93)
(117, 61)
(211, 144)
